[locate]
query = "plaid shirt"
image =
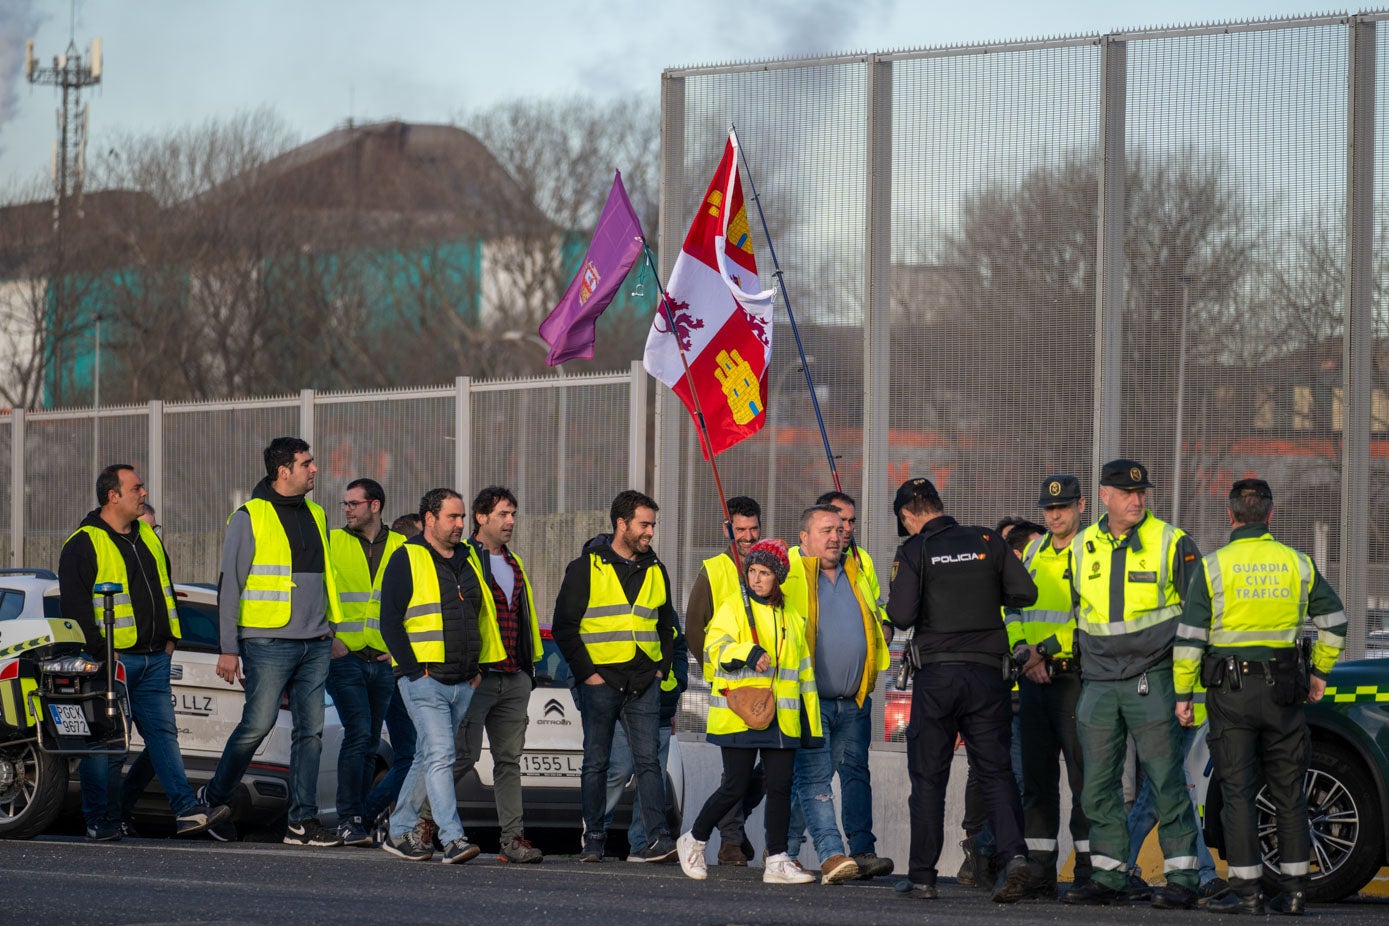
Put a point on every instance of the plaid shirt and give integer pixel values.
(508, 613)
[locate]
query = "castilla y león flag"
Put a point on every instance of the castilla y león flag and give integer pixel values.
(717, 316)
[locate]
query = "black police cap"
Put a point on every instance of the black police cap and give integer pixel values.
(1061, 489)
(1256, 487)
(1125, 474)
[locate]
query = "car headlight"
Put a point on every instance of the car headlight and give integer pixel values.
(71, 665)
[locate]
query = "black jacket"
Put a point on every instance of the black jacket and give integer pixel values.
(637, 673)
(77, 575)
(950, 582)
(461, 597)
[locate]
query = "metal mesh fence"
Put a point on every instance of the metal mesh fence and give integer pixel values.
(561, 446)
(6, 516)
(212, 461)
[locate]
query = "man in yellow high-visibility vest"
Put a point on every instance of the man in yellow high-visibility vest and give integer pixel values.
(359, 677)
(114, 545)
(275, 601)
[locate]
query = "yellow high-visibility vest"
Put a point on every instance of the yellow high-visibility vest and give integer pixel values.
(110, 567)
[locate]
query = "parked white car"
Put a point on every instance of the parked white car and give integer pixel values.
(207, 709)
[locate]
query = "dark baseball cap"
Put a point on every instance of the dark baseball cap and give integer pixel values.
(1257, 487)
(1125, 474)
(1061, 489)
(920, 487)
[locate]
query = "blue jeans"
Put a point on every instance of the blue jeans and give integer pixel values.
(1144, 816)
(437, 711)
(402, 731)
(619, 770)
(640, 715)
(362, 693)
(847, 729)
(275, 667)
(152, 709)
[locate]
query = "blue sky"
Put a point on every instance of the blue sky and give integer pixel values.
(174, 62)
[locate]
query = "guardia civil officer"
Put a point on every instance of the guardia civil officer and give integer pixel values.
(1129, 572)
(1043, 637)
(1240, 625)
(950, 582)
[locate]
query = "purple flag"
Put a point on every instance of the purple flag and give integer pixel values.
(570, 329)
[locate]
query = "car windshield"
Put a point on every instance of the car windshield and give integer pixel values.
(552, 671)
(199, 627)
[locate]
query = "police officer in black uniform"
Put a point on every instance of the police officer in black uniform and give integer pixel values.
(949, 583)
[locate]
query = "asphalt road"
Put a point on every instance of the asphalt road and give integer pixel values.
(155, 881)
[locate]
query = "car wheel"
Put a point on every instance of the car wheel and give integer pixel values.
(32, 784)
(1347, 826)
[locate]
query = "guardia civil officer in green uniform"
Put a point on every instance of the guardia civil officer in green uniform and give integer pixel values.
(1239, 631)
(1129, 572)
(1049, 686)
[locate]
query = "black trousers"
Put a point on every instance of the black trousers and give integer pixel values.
(738, 766)
(950, 698)
(731, 829)
(1048, 725)
(1254, 743)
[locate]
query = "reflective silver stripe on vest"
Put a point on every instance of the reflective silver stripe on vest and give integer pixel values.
(788, 674)
(261, 569)
(742, 675)
(608, 610)
(1043, 616)
(718, 701)
(99, 601)
(1165, 549)
(607, 636)
(168, 591)
(354, 597)
(788, 704)
(426, 636)
(646, 636)
(643, 611)
(253, 594)
(420, 610)
(350, 626)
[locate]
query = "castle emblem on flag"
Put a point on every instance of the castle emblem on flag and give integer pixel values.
(589, 279)
(740, 386)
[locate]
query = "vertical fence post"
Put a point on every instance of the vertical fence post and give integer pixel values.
(462, 435)
(306, 416)
(877, 321)
(670, 417)
(1358, 340)
(17, 442)
(1109, 283)
(636, 435)
(154, 469)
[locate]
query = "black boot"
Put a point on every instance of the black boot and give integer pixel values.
(1289, 904)
(1090, 894)
(1230, 902)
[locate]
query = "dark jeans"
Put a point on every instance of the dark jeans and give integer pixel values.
(361, 691)
(152, 709)
(402, 731)
(603, 707)
(778, 766)
(950, 698)
(275, 667)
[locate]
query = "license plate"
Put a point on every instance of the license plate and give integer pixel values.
(551, 765)
(198, 705)
(69, 719)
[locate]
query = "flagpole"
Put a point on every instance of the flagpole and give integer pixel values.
(795, 331)
(706, 443)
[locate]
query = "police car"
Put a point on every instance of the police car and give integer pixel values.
(1347, 785)
(553, 759)
(206, 709)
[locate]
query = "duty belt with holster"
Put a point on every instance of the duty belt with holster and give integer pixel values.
(1285, 675)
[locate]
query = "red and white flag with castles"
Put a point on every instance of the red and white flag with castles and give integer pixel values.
(717, 316)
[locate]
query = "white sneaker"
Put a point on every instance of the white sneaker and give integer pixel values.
(691, 852)
(783, 869)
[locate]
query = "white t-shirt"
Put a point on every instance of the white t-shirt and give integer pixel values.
(503, 574)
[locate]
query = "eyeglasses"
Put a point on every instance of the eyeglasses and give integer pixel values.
(352, 505)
